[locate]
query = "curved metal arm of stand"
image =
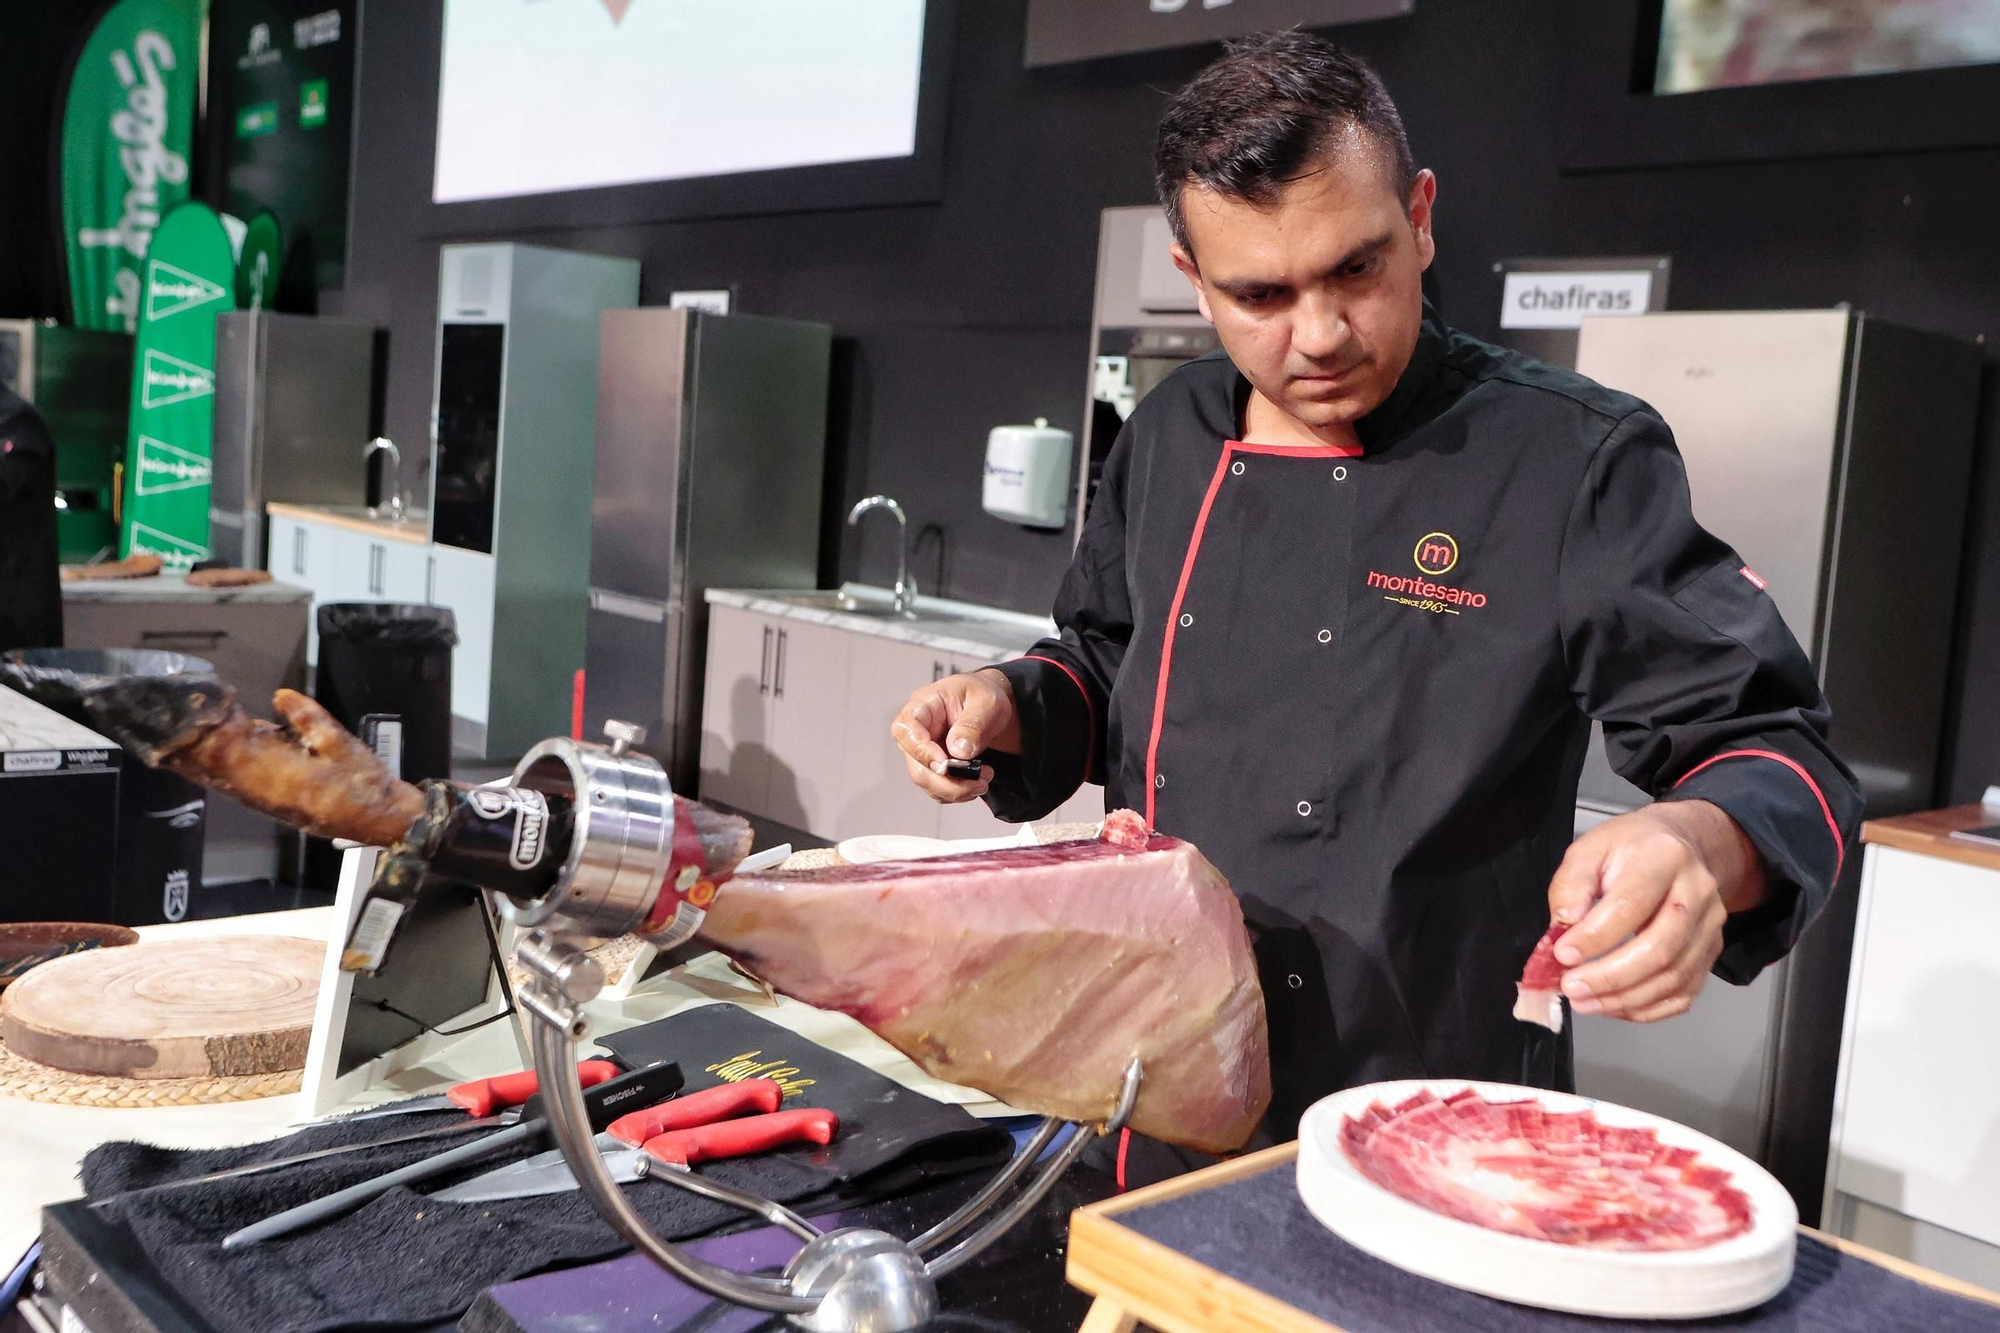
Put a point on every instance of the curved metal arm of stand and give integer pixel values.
(555, 1064)
(775, 1213)
(994, 1188)
(997, 1226)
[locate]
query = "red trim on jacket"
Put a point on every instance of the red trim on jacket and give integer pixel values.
(1089, 704)
(1297, 450)
(1839, 843)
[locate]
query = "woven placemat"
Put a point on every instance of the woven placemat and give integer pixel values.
(34, 1082)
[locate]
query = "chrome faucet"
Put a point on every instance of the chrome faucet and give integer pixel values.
(906, 590)
(394, 488)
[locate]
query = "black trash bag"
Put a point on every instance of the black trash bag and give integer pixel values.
(60, 678)
(388, 623)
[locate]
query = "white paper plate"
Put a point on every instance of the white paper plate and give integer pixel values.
(914, 847)
(1734, 1274)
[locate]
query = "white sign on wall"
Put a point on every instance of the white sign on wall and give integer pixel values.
(1560, 300)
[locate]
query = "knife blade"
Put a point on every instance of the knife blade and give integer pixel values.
(545, 1173)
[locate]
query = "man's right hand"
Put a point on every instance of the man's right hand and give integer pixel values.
(960, 715)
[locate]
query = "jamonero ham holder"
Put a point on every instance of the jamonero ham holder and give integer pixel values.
(589, 841)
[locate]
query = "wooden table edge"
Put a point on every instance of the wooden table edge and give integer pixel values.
(1096, 1227)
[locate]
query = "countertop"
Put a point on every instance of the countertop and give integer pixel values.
(168, 586)
(414, 529)
(985, 633)
(1929, 833)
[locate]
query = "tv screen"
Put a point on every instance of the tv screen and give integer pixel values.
(1708, 44)
(543, 96)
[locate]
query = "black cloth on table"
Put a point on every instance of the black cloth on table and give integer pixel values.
(404, 1259)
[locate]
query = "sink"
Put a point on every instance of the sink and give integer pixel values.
(410, 516)
(867, 601)
(846, 602)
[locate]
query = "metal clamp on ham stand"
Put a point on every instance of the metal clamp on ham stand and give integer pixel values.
(588, 843)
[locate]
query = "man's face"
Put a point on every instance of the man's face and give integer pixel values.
(1317, 296)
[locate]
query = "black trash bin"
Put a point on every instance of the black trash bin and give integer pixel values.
(385, 674)
(156, 867)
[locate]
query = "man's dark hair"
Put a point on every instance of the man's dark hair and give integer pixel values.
(1259, 117)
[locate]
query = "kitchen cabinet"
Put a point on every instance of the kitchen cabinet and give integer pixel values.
(1913, 1163)
(340, 559)
(462, 581)
(795, 728)
(809, 711)
(877, 795)
(736, 709)
(773, 719)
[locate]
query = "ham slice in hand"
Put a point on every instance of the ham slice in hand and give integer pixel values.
(1538, 995)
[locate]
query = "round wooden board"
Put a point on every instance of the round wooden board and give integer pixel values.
(234, 1007)
(1730, 1275)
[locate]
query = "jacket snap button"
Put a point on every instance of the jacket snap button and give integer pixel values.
(1340, 474)
(1236, 468)
(1187, 618)
(1305, 807)
(1295, 981)
(1159, 779)
(1326, 636)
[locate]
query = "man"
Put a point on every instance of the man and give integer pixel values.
(30, 596)
(1345, 603)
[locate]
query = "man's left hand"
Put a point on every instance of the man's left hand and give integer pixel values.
(1648, 893)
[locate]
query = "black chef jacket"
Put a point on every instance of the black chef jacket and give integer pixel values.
(30, 594)
(1361, 683)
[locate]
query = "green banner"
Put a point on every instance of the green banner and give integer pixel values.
(257, 268)
(128, 124)
(190, 278)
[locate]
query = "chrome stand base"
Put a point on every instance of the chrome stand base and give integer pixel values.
(862, 1282)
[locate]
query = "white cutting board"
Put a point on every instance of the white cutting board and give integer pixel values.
(1735, 1274)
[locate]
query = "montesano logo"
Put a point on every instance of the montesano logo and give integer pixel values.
(168, 379)
(162, 467)
(170, 290)
(1434, 555)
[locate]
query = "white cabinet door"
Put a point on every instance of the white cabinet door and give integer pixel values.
(876, 794)
(285, 551)
(736, 709)
(327, 560)
(402, 571)
(463, 581)
(809, 712)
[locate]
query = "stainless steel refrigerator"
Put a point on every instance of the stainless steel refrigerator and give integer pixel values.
(1832, 451)
(293, 397)
(711, 443)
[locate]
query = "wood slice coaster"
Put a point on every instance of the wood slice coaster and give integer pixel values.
(237, 1007)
